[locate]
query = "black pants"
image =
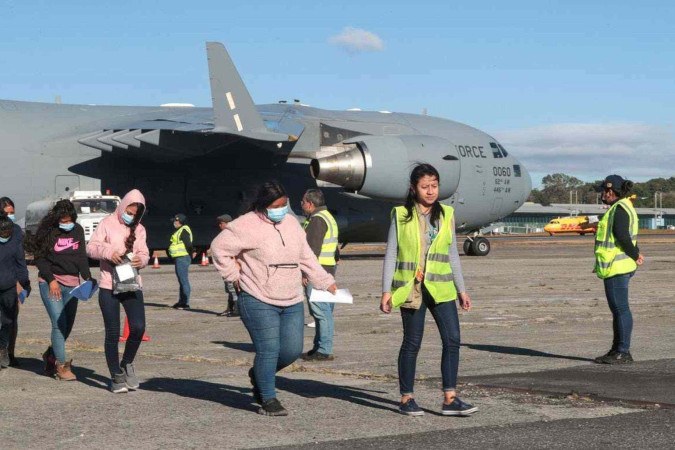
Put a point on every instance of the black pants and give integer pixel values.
(135, 311)
(8, 312)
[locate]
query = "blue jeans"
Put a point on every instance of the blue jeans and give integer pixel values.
(277, 334)
(447, 321)
(323, 316)
(616, 290)
(182, 267)
(62, 314)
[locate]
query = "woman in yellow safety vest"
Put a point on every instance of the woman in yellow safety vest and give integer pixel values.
(422, 271)
(616, 259)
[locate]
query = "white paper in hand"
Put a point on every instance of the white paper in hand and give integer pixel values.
(341, 296)
(124, 272)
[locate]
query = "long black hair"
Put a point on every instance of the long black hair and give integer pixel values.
(38, 244)
(419, 171)
(129, 241)
(266, 194)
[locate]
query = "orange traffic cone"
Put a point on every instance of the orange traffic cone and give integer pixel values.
(125, 333)
(155, 264)
(205, 260)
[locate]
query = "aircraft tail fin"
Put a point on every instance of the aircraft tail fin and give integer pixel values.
(233, 109)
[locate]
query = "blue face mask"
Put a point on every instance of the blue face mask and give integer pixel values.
(4, 240)
(67, 226)
(11, 217)
(277, 214)
(127, 218)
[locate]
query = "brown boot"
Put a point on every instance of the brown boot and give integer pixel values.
(63, 371)
(50, 362)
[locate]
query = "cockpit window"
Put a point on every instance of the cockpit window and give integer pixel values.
(495, 150)
(503, 150)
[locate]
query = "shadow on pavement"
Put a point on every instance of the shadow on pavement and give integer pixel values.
(314, 389)
(84, 375)
(194, 310)
(231, 396)
(242, 346)
(521, 351)
(34, 365)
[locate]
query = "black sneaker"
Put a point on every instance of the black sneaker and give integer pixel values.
(617, 358)
(180, 305)
(256, 391)
(272, 407)
(317, 356)
(410, 408)
(458, 408)
(601, 359)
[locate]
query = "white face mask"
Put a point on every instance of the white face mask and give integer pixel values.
(4, 240)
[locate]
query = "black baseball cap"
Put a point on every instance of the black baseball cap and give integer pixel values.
(613, 182)
(182, 218)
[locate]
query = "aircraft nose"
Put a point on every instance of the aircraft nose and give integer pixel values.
(527, 183)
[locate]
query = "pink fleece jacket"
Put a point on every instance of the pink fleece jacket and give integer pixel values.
(272, 257)
(110, 235)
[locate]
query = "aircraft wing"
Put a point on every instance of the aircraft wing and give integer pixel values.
(185, 134)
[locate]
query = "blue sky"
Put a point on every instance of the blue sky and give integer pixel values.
(581, 87)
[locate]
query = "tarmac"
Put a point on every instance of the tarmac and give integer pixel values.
(539, 318)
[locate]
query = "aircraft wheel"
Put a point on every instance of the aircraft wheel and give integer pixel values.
(468, 248)
(480, 246)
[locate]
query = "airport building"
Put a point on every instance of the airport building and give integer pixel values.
(531, 217)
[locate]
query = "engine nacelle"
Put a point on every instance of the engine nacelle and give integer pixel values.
(379, 166)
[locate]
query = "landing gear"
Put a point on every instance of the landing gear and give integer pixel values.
(476, 246)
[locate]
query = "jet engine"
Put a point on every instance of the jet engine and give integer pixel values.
(379, 166)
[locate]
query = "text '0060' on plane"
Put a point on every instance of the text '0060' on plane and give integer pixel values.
(206, 161)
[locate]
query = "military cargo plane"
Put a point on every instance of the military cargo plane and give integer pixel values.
(205, 161)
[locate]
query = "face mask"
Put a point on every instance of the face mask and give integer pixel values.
(67, 226)
(4, 240)
(11, 217)
(277, 214)
(128, 219)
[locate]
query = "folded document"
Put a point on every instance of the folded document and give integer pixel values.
(341, 296)
(85, 290)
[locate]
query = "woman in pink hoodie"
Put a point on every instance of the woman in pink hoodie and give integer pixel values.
(115, 237)
(272, 255)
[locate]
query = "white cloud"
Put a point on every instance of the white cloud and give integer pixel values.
(357, 40)
(592, 151)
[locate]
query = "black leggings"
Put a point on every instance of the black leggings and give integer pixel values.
(135, 311)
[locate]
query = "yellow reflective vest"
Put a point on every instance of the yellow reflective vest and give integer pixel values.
(177, 247)
(438, 278)
(610, 259)
(330, 239)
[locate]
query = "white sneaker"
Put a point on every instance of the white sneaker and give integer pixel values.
(311, 325)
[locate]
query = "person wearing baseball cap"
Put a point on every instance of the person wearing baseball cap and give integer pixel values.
(617, 257)
(181, 251)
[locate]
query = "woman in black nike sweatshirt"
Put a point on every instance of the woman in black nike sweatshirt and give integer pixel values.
(59, 250)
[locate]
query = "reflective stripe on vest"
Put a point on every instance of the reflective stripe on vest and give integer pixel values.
(438, 278)
(330, 239)
(611, 260)
(177, 247)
